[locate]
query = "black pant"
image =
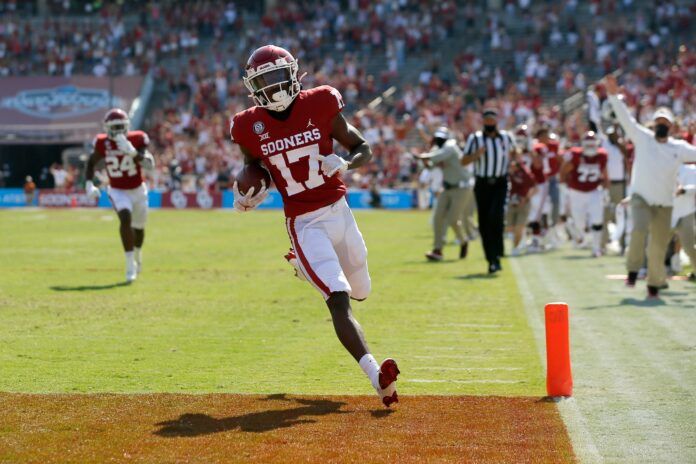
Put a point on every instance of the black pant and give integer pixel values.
(491, 194)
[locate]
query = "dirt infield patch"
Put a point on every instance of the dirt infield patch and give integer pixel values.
(278, 428)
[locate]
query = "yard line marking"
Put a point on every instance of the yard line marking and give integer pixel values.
(452, 348)
(583, 443)
(470, 333)
(430, 368)
(460, 381)
(485, 326)
(462, 357)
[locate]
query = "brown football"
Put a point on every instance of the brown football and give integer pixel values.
(250, 176)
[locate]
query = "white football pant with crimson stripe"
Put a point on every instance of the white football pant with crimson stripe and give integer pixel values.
(330, 250)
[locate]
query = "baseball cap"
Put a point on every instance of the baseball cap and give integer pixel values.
(441, 133)
(663, 112)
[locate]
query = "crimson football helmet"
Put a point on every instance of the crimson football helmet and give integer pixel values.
(116, 121)
(590, 143)
(522, 138)
(271, 77)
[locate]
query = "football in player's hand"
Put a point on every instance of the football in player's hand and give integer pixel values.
(252, 175)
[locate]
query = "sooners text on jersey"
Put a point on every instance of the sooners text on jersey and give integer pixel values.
(586, 174)
(289, 148)
(124, 172)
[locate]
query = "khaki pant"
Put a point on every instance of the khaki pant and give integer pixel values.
(685, 230)
(448, 213)
(656, 221)
(468, 211)
(617, 192)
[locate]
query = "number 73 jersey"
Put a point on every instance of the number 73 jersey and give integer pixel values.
(586, 174)
(124, 172)
(290, 148)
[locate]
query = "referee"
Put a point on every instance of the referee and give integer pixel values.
(490, 151)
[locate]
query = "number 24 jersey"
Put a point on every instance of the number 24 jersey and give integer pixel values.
(289, 148)
(124, 172)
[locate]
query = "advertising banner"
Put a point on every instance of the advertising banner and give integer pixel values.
(60, 109)
(357, 199)
(180, 200)
(57, 199)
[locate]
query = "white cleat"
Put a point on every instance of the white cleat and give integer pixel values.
(131, 272)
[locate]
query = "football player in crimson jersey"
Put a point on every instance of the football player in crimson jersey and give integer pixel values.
(585, 172)
(534, 160)
(556, 194)
(125, 154)
(291, 132)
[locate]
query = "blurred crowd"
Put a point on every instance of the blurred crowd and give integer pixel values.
(428, 57)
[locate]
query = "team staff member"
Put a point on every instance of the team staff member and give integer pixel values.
(683, 213)
(450, 203)
(657, 159)
(490, 151)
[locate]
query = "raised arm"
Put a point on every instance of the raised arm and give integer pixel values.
(630, 125)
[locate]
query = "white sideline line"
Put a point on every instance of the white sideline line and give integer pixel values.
(429, 368)
(583, 444)
(460, 381)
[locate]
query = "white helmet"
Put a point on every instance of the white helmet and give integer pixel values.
(590, 144)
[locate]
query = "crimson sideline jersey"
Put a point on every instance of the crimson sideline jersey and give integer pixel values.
(586, 174)
(551, 153)
(124, 172)
(521, 182)
(535, 164)
(288, 148)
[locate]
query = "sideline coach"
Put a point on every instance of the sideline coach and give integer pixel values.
(490, 151)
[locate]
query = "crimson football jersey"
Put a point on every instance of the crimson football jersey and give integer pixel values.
(123, 171)
(289, 148)
(550, 151)
(521, 182)
(586, 174)
(535, 164)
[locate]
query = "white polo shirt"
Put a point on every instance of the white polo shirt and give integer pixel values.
(685, 203)
(656, 165)
(615, 160)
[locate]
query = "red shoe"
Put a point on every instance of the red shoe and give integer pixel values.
(388, 372)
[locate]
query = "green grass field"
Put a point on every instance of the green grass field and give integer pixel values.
(217, 309)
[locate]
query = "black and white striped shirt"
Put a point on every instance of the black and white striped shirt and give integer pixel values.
(495, 161)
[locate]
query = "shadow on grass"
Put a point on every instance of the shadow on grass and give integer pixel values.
(193, 425)
(86, 288)
(478, 275)
(645, 303)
